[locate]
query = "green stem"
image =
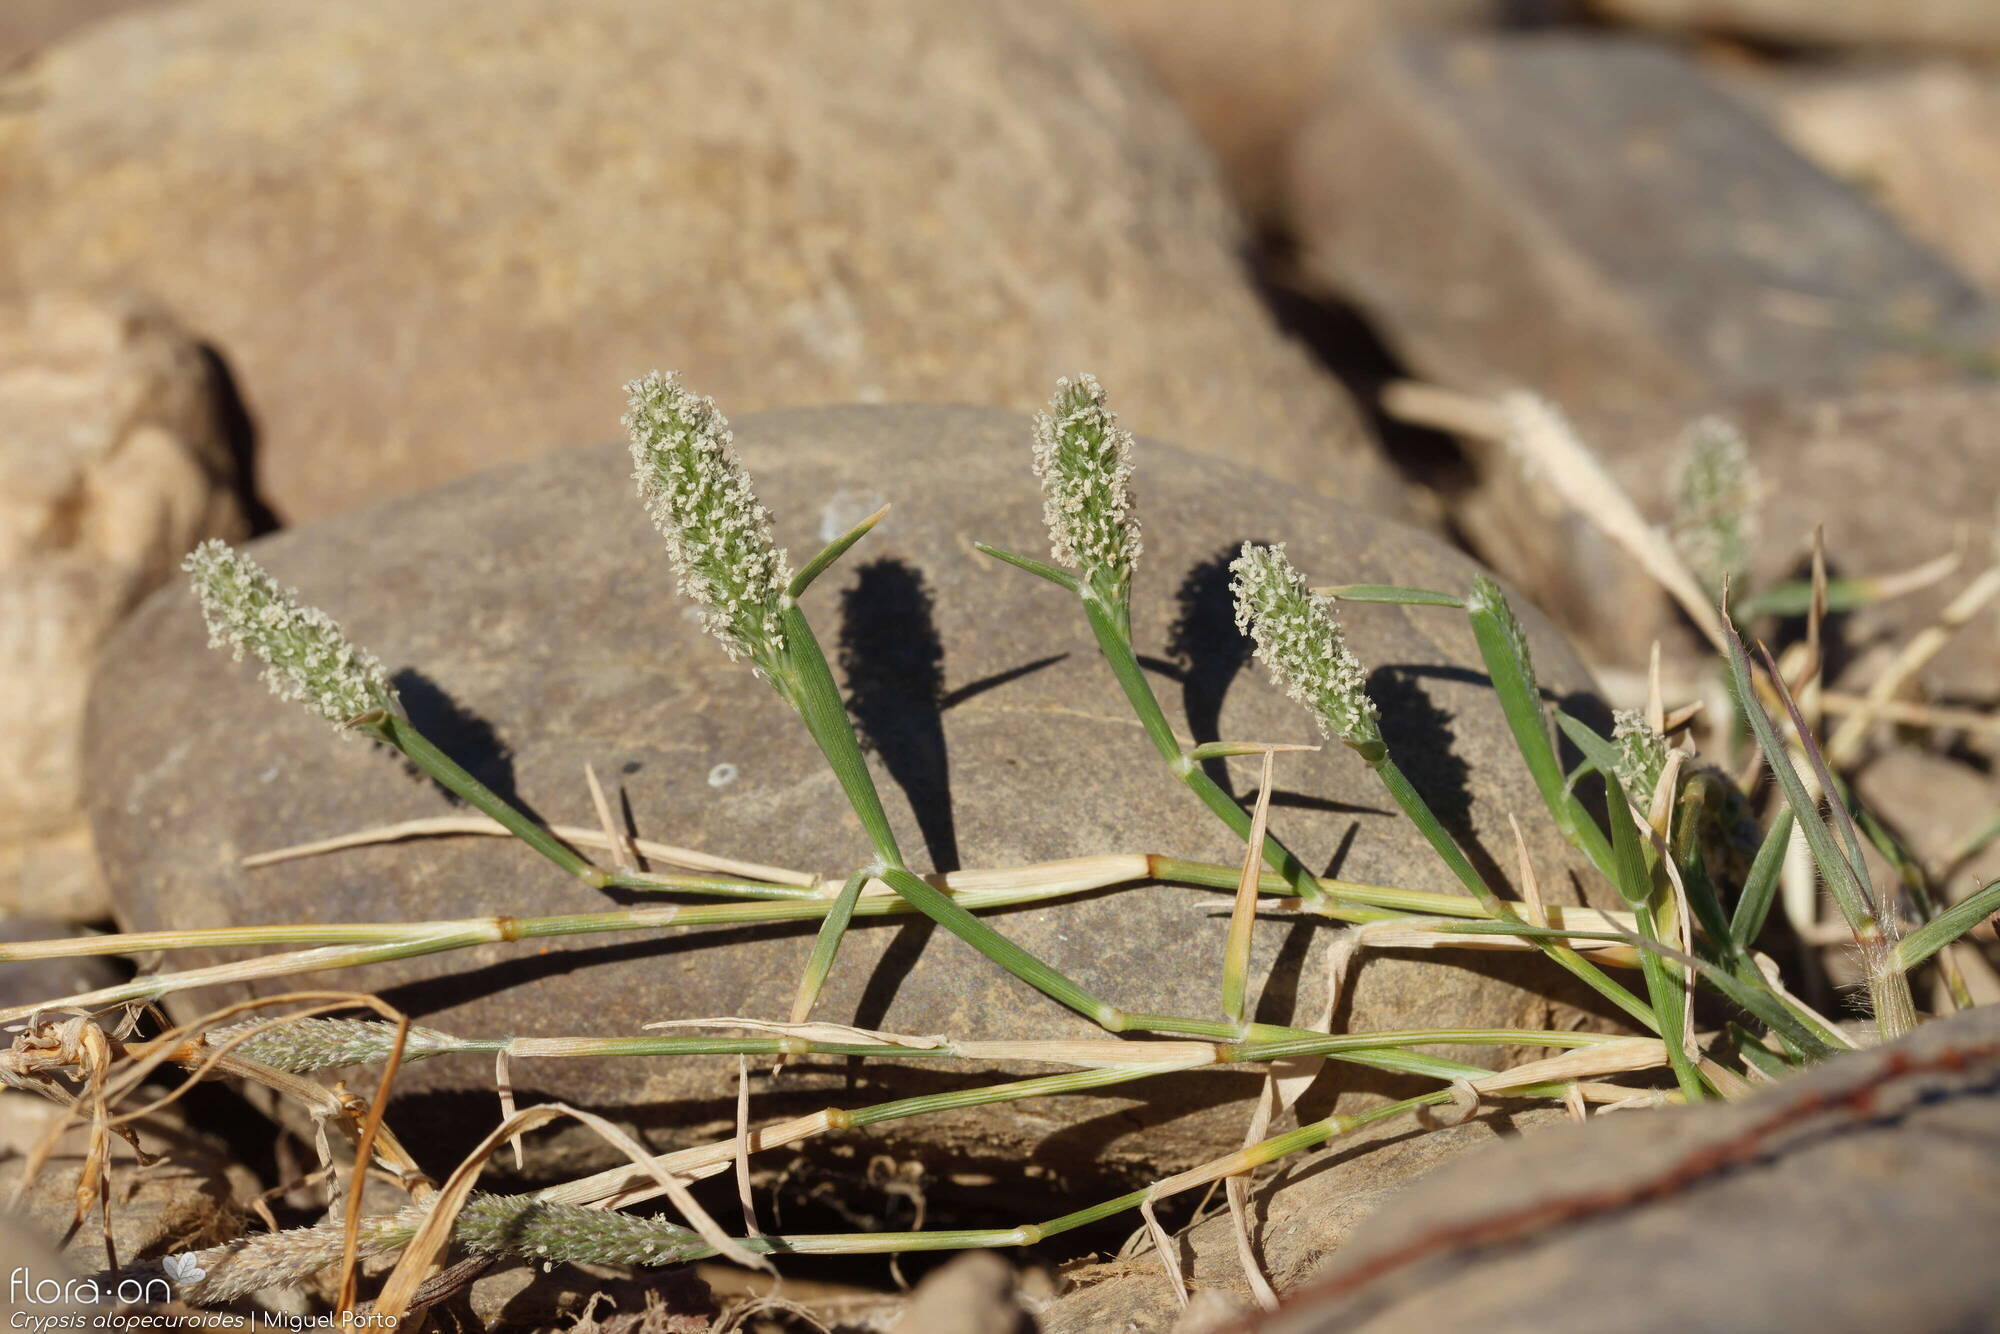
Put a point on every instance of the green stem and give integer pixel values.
(1667, 993)
(399, 732)
(947, 913)
(1393, 594)
(831, 928)
(1425, 819)
(352, 945)
(1115, 643)
(1513, 676)
(719, 888)
(814, 695)
(1371, 902)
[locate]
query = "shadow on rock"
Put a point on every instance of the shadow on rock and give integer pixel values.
(893, 660)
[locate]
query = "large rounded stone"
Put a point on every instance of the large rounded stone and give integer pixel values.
(536, 613)
(383, 211)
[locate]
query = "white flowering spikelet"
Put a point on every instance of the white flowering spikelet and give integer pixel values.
(1300, 643)
(1084, 459)
(305, 1045)
(305, 655)
(719, 537)
(1642, 754)
(1715, 503)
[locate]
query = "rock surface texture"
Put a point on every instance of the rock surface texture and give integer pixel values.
(1590, 217)
(27, 26)
(1249, 88)
(1907, 1165)
(1954, 25)
(113, 462)
(1923, 139)
(405, 206)
(534, 609)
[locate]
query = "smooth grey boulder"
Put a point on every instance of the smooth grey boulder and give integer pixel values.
(534, 610)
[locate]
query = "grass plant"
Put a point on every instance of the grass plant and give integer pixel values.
(1692, 918)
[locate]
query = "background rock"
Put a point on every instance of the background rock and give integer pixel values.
(1935, 802)
(535, 609)
(973, 1294)
(1591, 218)
(29, 983)
(404, 208)
(1910, 1177)
(1248, 87)
(1921, 139)
(1857, 465)
(113, 462)
(1957, 25)
(1862, 465)
(26, 26)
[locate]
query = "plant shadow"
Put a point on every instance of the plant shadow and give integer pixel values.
(461, 733)
(893, 662)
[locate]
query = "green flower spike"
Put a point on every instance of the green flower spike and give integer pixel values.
(306, 658)
(1642, 753)
(1084, 460)
(1301, 645)
(717, 534)
(1715, 504)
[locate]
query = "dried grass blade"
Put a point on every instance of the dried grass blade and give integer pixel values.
(1163, 1245)
(444, 826)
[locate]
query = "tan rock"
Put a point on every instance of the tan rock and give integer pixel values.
(1923, 140)
(1248, 87)
(113, 462)
(27, 26)
(1969, 25)
(428, 236)
(973, 1294)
